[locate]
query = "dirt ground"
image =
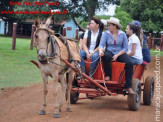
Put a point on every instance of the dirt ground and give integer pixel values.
(23, 105)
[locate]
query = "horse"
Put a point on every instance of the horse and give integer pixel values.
(48, 49)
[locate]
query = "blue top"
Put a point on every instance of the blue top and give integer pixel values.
(145, 51)
(121, 42)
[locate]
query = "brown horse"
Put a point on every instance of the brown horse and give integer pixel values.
(45, 50)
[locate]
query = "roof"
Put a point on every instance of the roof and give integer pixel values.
(80, 28)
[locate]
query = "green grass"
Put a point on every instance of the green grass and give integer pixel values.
(15, 68)
(153, 52)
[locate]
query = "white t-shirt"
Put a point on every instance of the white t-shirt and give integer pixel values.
(93, 40)
(138, 51)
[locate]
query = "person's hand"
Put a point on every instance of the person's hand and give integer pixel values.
(114, 57)
(91, 54)
(101, 52)
(88, 56)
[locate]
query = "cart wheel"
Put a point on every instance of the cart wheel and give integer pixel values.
(134, 100)
(74, 95)
(148, 90)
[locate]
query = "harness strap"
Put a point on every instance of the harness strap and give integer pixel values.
(64, 40)
(53, 42)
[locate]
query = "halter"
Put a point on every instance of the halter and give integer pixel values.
(53, 43)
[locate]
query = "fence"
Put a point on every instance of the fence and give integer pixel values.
(151, 42)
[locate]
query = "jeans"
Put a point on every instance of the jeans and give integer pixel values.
(136, 61)
(124, 58)
(94, 57)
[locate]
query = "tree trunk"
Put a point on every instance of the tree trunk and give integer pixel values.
(90, 8)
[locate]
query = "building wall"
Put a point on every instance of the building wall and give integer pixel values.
(2, 26)
(70, 28)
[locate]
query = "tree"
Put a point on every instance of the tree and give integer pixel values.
(87, 8)
(10, 18)
(123, 16)
(148, 12)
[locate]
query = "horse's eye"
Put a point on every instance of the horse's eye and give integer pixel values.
(36, 36)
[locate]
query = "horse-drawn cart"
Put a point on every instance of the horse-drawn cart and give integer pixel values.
(99, 87)
(53, 54)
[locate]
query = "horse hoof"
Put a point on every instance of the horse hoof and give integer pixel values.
(68, 109)
(56, 115)
(42, 112)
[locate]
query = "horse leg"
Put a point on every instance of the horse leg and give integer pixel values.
(69, 86)
(55, 94)
(45, 81)
(63, 86)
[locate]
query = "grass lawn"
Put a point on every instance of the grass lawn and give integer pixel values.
(153, 52)
(15, 68)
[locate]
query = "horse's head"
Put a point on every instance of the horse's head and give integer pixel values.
(42, 38)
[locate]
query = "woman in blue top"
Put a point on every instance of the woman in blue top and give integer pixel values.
(116, 44)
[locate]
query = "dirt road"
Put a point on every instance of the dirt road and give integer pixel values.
(23, 105)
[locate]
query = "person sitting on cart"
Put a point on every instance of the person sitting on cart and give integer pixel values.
(134, 43)
(91, 42)
(116, 45)
(145, 48)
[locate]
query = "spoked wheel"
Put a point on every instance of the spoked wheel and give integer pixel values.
(134, 100)
(74, 95)
(148, 90)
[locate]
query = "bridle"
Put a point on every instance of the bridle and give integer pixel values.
(50, 39)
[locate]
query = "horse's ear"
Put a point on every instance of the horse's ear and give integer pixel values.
(37, 23)
(48, 21)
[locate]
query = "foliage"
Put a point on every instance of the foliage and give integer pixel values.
(148, 12)
(106, 17)
(84, 24)
(123, 16)
(15, 68)
(44, 7)
(87, 8)
(5, 5)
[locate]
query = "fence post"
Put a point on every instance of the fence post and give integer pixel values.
(149, 40)
(5, 29)
(161, 43)
(14, 36)
(64, 31)
(32, 33)
(153, 44)
(77, 31)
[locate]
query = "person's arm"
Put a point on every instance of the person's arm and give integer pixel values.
(81, 44)
(117, 55)
(85, 45)
(102, 44)
(124, 48)
(133, 49)
(81, 41)
(95, 51)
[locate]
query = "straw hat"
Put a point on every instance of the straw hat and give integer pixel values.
(115, 21)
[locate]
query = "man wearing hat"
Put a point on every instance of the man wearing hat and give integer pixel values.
(116, 44)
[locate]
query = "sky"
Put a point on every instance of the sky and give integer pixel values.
(111, 11)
